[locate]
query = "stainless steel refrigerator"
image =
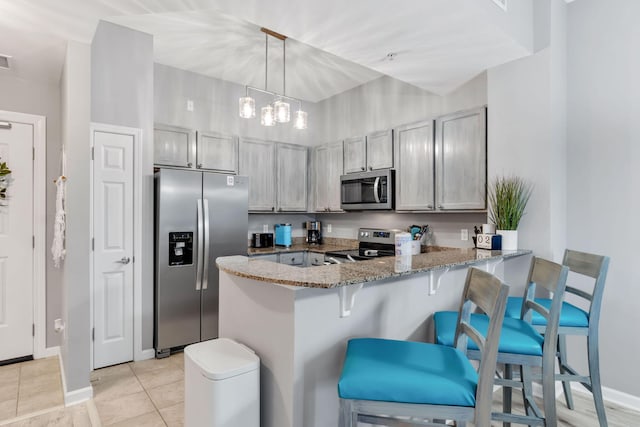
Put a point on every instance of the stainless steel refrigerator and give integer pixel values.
(199, 216)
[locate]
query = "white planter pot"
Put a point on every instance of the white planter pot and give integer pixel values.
(509, 239)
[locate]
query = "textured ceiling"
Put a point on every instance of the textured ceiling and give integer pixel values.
(440, 44)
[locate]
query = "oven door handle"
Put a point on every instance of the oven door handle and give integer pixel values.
(376, 188)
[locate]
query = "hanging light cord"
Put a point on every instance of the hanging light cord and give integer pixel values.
(266, 58)
(284, 67)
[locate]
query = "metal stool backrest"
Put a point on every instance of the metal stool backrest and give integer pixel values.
(489, 294)
(596, 267)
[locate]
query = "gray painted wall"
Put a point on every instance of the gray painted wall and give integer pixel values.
(37, 98)
(122, 95)
(603, 168)
(76, 88)
(216, 107)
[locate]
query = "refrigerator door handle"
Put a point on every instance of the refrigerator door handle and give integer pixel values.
(200, 247)
(205, 259)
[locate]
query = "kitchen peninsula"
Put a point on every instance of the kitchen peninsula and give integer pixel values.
(298, 320)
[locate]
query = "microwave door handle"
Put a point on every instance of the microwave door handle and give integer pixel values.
(376, 188)
(200, 247)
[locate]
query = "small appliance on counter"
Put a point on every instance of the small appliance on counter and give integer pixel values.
(314, 232)
(261, 240)
(283, 235)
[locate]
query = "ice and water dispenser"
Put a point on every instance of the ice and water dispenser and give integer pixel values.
(180, 248)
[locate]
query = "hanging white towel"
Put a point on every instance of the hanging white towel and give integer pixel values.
(59, 225)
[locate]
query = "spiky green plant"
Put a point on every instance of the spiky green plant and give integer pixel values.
(508, 197)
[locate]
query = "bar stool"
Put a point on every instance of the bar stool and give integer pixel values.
(521, 345)
(385, 379)
(575, 321)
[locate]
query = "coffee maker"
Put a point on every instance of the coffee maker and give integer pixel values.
(314, 232)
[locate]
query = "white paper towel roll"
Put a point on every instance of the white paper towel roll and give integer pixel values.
(403, 252)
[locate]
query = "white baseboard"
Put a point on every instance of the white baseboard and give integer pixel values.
(611, 395)
(149, 353)
(75, 396)
(49, 352)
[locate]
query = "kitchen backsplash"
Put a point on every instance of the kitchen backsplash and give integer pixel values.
(445, 228)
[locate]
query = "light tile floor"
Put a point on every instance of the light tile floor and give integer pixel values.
(151, 393)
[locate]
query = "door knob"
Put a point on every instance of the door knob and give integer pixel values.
(125, 260)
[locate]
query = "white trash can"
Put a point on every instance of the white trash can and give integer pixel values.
(221, 385)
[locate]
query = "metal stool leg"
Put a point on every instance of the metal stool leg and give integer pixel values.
(594, 374)
(507, 393)
(562, 362)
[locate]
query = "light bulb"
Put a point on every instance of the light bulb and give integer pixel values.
(282, 111)
(267, 117)
(247, 107)
(300, 120)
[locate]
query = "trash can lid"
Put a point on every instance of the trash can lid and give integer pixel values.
(222, 358)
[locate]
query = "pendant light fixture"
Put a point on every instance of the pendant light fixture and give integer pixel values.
(279, 110)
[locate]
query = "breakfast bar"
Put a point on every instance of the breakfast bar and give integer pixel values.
(298, 320)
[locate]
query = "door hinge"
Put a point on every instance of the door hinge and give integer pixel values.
(33, 151)
(33, 242)
(93, 334)
(92, 152)
(93, 243)
(33, 329)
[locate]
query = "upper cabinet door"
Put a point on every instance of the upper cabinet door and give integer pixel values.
(415, 167)
(173, 146)
(355, 154)
(292, 178)
(328, 166)
(380, 150)
(217, 152)
(334, 171)
(257, 161)
(461, 160)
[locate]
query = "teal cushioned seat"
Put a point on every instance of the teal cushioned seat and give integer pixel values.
(516, 337)
(408, 372)
(570, 315)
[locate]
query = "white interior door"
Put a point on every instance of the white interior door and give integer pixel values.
(113, 246)
(16, 242)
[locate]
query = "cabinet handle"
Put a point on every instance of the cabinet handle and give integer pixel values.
(273, 208)
(199, 165)
(370, 168)
(363, 168)
(440, 207)
(189, 164)
(429, 206)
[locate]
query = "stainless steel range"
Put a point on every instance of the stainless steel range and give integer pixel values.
(372, 243)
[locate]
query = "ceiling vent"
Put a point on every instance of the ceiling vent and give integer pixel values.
(4, 61)
(501, 3)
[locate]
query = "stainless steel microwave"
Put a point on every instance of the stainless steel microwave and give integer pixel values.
(367, 190)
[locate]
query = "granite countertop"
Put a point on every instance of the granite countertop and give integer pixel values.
(337, 275)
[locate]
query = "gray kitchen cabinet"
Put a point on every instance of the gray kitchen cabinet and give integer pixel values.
(328, 166)
(292, 258)
(461, 160)
(380, 150)
(217, 152)
(292, 177)
(314, 258)
(173, 146)
(367, 153)
(415, 167)
(355, 154)
(257, 161)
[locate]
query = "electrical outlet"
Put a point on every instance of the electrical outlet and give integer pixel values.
(189, 104)
(328, 228)
(58, 325)
(265, 228)
(464, 234)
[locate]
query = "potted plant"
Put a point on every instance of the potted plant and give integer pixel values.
(508, 197)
